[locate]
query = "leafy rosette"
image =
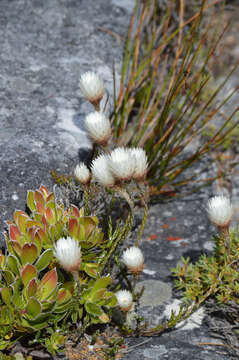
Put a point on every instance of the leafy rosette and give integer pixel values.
(35, 292)
(32, 295)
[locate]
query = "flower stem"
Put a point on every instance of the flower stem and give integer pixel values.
(76, 278)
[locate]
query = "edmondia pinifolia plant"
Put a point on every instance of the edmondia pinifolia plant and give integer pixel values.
(56, 272)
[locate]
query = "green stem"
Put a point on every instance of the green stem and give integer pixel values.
(142, 224)
(86, 200)
(122, 235)
(76, 278)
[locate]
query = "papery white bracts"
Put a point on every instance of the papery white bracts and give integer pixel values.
(68, 253)
(125, 299)
(98, 127)
(92, 87)
(134, 260)
(220, 210)
(101, 172)
(122, 163)
(82, 173)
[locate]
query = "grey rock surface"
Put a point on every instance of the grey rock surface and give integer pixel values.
(45, 47)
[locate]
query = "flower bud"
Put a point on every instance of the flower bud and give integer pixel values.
(101, 171)
(98, 127)
(134, 260)
(220, 211)
(125, 299)
(141, 163)
(92, 88)
(68, 253)
(82, 173)
(122, 164)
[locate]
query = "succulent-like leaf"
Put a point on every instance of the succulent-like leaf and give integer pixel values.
(91, 269)
(50, 216)
(88, 223)
(110, 299)
(75, 211)
(15, 247)
(29, 253)
(13, 264)
(97, 295)
(47, 284)
(21, 218)
(101, 284)
(30, 201)
(2, 260)
(39, 197)
(41, 238)
(8, 276)
(6, 293)
(104, 318)
(32, 287)
(33, 308)
(44, 260)
(14, 233)
(63, 296)
(73, 228)
(50, 197)
(5, 315)
(35, 223)
(28, 272)
(36, 239)
(93, 309)
(45, 192)
(40, 208)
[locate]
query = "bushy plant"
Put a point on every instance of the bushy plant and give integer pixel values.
(167, 93)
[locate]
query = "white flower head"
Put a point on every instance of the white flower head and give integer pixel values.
(68, 253)
(122, 163)
(141, 163)
(82, 173)
(101, 172)
(92, 87)
(220, 211)
(134, 260)
(125, 299)
(98, 127)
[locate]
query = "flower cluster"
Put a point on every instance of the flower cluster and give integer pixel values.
(114, 166)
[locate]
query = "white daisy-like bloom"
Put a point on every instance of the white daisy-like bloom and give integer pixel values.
(134, 260)
(68, 253)
(82, 173)
(98, 127)
(122, 163)
(141, 163)
(101, 172)
(220, 211)
(125, 299)
(92, 87)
